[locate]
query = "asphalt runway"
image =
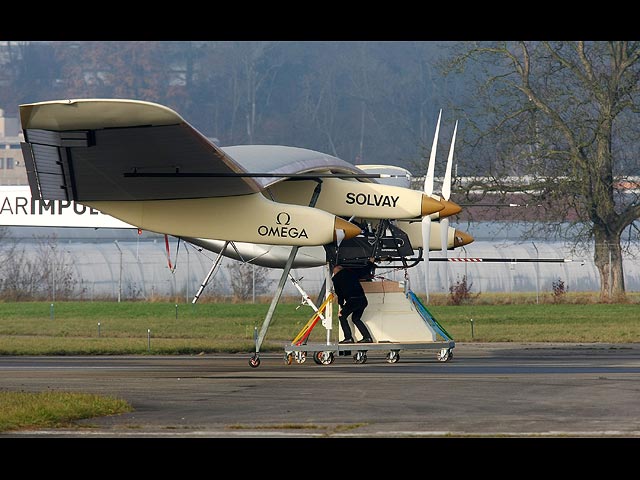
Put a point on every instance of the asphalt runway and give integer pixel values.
(486, 390)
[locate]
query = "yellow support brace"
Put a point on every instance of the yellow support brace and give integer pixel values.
(306, 330)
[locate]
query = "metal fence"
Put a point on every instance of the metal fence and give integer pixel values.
(142, 270)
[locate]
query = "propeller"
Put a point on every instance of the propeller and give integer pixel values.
(450, 207)
(426, 220)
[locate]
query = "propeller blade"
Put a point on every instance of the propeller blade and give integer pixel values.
(444, 234)
(446, 191)
(426, 234)
(446, 183)
(428, 180)
(428, 190)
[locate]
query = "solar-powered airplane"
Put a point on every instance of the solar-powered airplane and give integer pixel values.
(279, 206)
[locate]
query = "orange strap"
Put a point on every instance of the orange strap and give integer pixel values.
(166, 242)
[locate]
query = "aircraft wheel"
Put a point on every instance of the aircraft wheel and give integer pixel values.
(254, 361)
(360, 357)
(393, 356)
(325, 358)
(288, 358)
(444, 355)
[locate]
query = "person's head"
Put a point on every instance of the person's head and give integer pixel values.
(337, 268)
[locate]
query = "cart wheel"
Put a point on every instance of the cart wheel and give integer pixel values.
(317, 357)
(444, 355)
(360, 357)
(393, 356)
(254, 361)
(325, 358)
(288, 358)
(300, 356)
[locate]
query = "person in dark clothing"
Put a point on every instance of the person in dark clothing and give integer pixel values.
(367, 272)
(352, 301)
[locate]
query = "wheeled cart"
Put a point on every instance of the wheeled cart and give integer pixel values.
(396, 319)
(325, 354)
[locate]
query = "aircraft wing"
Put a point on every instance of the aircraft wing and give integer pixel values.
(143, 164)
(80, 150)
(90, 150)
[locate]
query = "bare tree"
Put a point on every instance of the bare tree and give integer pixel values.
(27, 69)
(557, 122)
(20, 279)
(56, 268)
(247, 279)
(320, 103)
(46, 273)
(138, 69)
(258, 75)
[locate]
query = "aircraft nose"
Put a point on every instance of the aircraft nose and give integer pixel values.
(450, 208)
(430, 205)
(350, 230)
(460, 239)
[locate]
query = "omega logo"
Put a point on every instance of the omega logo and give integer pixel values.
(284, 215)
(283, 230)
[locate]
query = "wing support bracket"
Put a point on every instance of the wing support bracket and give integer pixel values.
(210, 274)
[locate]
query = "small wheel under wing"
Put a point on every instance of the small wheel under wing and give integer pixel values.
(254, 361)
